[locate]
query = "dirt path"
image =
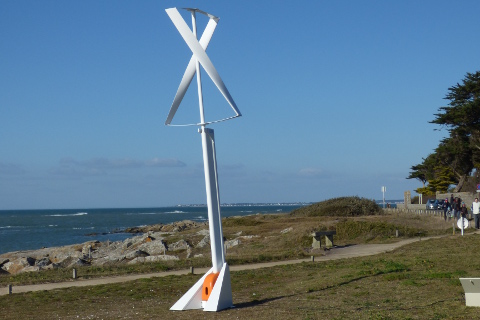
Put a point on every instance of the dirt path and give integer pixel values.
(352, 251)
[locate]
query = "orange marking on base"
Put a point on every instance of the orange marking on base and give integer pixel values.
(208, 284)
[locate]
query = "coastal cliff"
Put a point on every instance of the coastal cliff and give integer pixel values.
(151, 243)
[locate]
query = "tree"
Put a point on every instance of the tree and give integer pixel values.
(424, 171)
(455, 154)
(444, 177)
(459, 154)
(463, 112)
(433, 171)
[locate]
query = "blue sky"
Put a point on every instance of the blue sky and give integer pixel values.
(336, 97)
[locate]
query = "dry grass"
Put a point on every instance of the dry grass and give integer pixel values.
(419, 281)
(266, 237)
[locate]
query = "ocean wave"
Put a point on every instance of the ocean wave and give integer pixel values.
(67, 215)
(89, 228)
(53, 225)
(142, 213)
(176, 211)
(14, 227)
(199, 218)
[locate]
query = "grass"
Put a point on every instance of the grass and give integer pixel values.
(263, 238)
(418, 281)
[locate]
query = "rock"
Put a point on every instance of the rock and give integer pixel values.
(78, 262)
(127, 243)
(108, 260)
(147, 245)
(63, 263)
(204, 242)
(134, 242)
(160, 258)
(43, 262)
(180, 226)
(134, 230)
(232, 243)
(30, 269)
(3, 261)
(172, 227)
(17, 265)
(249, 237)
(144, 229)
(137, 260)
(153, 248)
(11, 267)
(28, 261)
(152, 259)
(286, 230)
(203, 232)
(179, 245)
(58, 255)
(70, 262)
(136, 254)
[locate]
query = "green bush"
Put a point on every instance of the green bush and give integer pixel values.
(344, 207)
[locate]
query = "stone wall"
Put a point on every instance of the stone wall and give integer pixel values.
(466, 197)
(407, 202)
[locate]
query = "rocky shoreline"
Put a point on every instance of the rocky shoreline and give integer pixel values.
(148, 244)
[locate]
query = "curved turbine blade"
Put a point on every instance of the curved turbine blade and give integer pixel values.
(190, 71)
(200, 55)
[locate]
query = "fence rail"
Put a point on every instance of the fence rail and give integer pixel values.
(415, 211)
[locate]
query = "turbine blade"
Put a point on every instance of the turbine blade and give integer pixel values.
(200, 55)
(190, 71)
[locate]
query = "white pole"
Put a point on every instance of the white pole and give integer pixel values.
(199, 76)
(383, 191)
(211, 182)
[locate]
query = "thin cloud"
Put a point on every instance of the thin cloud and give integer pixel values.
(101, 166)
(311, 172)
(11, 169)
(157, 162)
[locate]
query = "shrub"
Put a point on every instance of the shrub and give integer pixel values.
(343, 206)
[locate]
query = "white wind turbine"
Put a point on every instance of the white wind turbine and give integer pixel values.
(213, 291)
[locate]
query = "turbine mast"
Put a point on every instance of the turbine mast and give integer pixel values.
(213, 291)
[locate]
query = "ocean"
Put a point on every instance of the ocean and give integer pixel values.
(35, 229)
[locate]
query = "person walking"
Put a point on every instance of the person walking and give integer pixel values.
(445, 207)
(476, 212)
(463, 211)
(452, 203)
(458, 208)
